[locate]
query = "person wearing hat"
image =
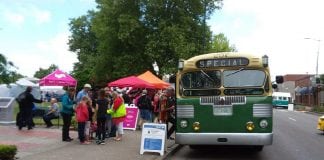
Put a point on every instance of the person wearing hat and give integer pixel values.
(83, 92)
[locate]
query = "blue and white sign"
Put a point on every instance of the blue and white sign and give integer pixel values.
(153, 138)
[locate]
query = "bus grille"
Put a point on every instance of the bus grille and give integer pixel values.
(222, 100)
(262, 110)
(185, 111)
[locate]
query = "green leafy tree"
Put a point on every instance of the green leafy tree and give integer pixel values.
(322, 78)
(84, 43)
(221, 44)
(125, 37)
(6, 73)
(44, 72)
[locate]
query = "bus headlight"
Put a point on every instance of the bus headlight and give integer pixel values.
(196, 126)
(249, 126)
(263, 123)
(183, 124)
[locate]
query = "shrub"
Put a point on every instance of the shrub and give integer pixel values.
(319, 109)
(7, 152)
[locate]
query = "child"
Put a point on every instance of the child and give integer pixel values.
(82, 115)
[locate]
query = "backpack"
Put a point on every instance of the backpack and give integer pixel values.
(21, 97)
(144, 103)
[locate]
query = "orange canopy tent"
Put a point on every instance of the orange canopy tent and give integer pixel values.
(152, 79)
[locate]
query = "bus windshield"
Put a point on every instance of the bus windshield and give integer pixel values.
(244, 78)
(199, 83)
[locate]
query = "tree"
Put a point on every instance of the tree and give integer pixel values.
(84, 43)
(322, 79)
(44, 72)
(125, 37)
(6, 73)
(221, 44)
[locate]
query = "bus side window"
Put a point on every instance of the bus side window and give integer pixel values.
(280, 98)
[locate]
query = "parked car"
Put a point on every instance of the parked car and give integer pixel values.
(320, 125)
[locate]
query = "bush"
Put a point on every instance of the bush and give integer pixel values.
(7, 152)
(319, 109)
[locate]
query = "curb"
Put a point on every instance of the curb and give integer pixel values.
(314, 113)
(172, 149)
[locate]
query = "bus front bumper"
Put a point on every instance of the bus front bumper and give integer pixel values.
(224, 138)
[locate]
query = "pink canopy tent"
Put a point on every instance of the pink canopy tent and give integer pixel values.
(130, 81)
(58, 78)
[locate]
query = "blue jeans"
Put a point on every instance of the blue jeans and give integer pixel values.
(146, 114)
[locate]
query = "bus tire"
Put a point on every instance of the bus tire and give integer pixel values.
(258, 148)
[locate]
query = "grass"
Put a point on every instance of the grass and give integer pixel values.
(39, 120)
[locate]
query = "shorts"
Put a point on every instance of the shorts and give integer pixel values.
(146, 114)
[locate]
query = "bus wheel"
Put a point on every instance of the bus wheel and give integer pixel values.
(258, 148)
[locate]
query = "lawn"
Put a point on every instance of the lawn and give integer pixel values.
(39, 120)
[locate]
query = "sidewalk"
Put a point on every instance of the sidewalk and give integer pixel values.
(42, 143)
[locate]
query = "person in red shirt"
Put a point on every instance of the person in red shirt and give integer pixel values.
(82, 115)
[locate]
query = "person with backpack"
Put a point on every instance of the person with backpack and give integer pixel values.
(144, 104)
(26, 102)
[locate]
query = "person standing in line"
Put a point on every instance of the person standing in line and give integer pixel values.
(118, 113)
(67, 113)
(83, 92)
(170, 112)
(126, 98)
(53, 112)
(156, 106)
(82, 115)
(101, 111)
(145, 106)
(89, 120)
(26, 104)
(163, 106)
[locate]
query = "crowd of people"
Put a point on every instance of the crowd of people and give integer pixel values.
(102, 111)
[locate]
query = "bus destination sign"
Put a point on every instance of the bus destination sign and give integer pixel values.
(223, 62)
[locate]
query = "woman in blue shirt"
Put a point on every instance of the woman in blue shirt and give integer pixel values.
(67, 113)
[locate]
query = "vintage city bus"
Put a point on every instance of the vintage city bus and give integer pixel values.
(281, 99)
(224, 99)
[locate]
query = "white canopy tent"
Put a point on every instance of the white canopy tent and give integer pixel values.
(14, 89)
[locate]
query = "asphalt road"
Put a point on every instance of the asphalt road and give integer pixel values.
(295, 138)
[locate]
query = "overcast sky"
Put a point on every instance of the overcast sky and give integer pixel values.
(34, 33)
(277, 28)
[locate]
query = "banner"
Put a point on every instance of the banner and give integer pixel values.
(130, 121)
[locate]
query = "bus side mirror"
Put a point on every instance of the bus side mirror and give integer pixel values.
(279, 79)
(274, 86)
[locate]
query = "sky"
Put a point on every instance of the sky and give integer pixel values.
(34, 33)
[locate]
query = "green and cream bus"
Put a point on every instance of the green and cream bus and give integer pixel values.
(224, 99)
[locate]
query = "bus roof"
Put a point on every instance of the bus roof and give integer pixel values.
(283, 94)
(254, 60)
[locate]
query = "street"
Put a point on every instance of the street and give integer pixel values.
(295, 138)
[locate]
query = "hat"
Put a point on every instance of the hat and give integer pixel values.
(87, 86)
(144, 91)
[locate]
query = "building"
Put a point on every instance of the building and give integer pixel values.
(303, 89)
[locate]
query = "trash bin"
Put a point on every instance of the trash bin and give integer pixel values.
(7, 110)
